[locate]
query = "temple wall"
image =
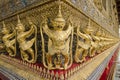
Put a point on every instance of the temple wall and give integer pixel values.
(61, 37)
(103, 17)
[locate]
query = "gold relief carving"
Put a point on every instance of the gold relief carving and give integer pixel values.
(60, 35)
(94, 39)
(26, 46)
(104, 40)
(88, 43)
(83, 43)
(9, 40)
(56, 34)
(98, 35)
(98, 4)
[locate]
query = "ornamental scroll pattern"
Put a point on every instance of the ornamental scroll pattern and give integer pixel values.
(49, 32)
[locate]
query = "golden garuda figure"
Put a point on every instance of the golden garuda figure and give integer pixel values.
(103, 40)
(9, 40)
(59, 53)
(98, 40)
(95, 43)
(94, 39)
(107, 41)
(85, 44)
(27, 41)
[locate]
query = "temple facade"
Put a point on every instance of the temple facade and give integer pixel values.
(58, 39)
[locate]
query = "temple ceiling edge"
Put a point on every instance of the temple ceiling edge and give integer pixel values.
(41, 9)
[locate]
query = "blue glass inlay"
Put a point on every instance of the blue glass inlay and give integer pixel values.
(24, 2)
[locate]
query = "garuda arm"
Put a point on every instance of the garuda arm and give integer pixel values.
(81, 34)
(67, 32)
(30, 32)
(11, 35)
(47, 30)
(95, 38)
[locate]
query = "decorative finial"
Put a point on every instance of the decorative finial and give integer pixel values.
(98, 32)
(37, 68)
(29, 20)
(62, 77)
(59, 16)
(59, 20)
(69, 73)
(52, 73)
(89, 22)
(48, 73)
(66, 75)
(20, 25)
(57, 75)
(4, 28)
(44, 70)
(40, 69)
(19, 22)
(59, 10)
(88, 27)
(3, 24)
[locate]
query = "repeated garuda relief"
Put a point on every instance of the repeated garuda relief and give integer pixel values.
(97, 40)
(60, 36)
(56, 40)
(27, 41)
(91, 42)
(85, 43)
(9, 40)
(103, 40)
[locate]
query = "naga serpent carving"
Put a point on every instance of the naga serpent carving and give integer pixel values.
(26, 46)
(9, 41)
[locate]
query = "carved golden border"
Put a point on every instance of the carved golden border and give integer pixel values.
(31, 72)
